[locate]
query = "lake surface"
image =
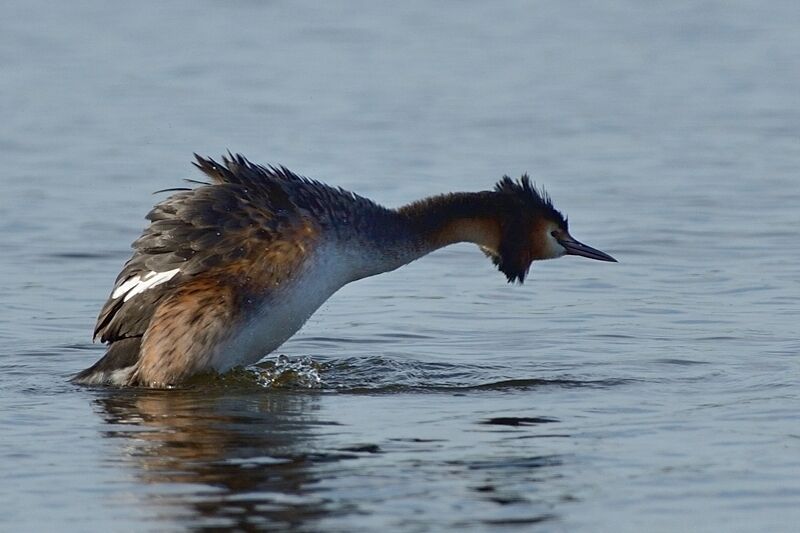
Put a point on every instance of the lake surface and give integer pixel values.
(658, 394)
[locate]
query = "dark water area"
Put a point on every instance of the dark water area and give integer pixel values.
(657, 394)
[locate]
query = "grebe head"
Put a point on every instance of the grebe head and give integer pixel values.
(532, 229)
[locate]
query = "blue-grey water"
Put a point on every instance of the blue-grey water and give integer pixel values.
(658, 394)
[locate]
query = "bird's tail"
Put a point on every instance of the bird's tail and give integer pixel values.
(115, 367)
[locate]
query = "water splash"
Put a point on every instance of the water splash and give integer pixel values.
(386, 374)
(284, 372)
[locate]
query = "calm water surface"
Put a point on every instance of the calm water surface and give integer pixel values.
(657, 394)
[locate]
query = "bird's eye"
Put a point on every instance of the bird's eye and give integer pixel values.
(554, 234)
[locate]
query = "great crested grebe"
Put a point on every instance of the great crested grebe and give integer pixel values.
(226, 272)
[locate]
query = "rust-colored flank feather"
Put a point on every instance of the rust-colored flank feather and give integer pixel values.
(229, 270)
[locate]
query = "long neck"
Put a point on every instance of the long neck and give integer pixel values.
(387, 239)
(451, 218)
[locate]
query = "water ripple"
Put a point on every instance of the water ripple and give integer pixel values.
(379, 374)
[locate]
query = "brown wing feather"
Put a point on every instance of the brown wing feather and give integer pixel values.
(245, 212)
(186, 326)
(192, 322)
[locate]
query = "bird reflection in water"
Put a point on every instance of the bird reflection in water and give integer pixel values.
(215, 460)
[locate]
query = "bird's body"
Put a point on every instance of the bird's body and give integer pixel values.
(228, 271)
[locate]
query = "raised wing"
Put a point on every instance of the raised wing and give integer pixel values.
(227, 226)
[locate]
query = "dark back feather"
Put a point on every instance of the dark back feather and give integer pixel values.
(245, 210)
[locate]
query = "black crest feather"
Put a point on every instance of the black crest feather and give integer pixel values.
(536, 199)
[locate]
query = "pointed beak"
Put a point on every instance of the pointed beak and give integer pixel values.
(578, 248)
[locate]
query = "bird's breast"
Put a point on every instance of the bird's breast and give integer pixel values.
(283, 309)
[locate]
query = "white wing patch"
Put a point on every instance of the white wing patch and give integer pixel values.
(139, 284)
